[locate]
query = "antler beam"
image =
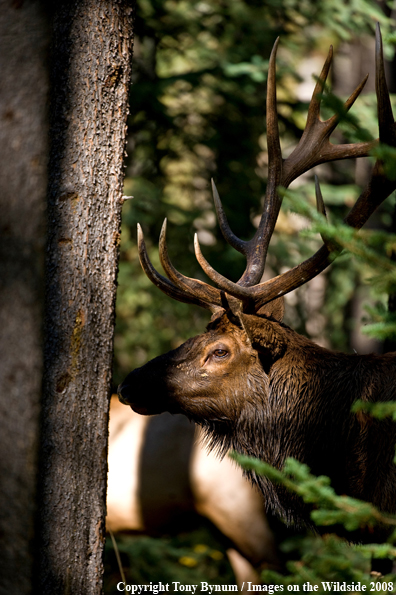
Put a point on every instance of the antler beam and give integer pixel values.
(313, 148)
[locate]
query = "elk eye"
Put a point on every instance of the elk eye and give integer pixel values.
(220, 353)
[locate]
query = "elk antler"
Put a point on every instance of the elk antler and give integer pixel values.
(313, 148)
(184, 289)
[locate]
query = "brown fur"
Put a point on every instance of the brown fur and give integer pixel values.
(275, 395)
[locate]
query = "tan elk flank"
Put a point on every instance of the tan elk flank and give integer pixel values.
(161, 476)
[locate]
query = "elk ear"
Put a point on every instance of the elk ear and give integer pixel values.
(274, 309)
(268, 337)
(232, 308)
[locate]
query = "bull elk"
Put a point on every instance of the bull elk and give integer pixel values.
(250, 381)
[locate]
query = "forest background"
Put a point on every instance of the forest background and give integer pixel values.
(197, 112)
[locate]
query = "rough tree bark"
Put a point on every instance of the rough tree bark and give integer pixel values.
(24, 36)
(90, 77)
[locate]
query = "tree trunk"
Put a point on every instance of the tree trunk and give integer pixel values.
(90, 77)
(24, 35)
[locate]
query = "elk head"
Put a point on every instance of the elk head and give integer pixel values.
(252, 382)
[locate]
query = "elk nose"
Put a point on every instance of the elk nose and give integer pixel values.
(123, 393)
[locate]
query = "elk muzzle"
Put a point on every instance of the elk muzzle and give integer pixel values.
(145, 390)
(154, 387)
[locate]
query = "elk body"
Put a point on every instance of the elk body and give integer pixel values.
(161, 476)
(253, 383)
(260, 388)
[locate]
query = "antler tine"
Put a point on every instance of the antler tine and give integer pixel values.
(167, 286)
(228, 235)
(316, 99)
(208, 294)
(330, 244)
(273, 143)
(387, 133)
(314, 146)
(319, 198)
(258, 245)
(255, 249)
(238, 291)
(334, 120)
(379, 187)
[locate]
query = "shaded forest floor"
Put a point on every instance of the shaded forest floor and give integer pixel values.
(188, 557)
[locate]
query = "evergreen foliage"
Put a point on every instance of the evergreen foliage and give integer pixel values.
(187, 557)
(318, 559)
